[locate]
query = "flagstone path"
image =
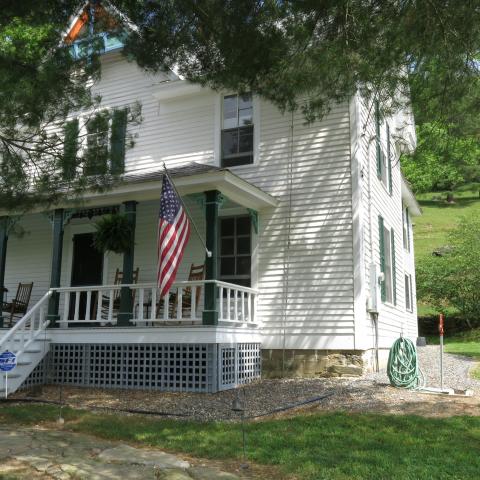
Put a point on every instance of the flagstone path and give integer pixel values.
(49, 454)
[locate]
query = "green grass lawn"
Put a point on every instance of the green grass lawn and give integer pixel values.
(432, 227)
(334, 446)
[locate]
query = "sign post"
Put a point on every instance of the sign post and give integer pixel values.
(8, 361)
(441, 324)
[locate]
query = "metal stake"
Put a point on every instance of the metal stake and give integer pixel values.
(441, 331)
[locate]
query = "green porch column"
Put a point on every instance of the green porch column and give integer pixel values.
(212, 205)
(57, 248)
(3, 258)
(126, 301)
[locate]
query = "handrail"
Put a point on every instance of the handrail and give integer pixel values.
(24, 319)
(185, 283)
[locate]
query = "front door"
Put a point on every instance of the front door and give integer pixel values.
(87, 268)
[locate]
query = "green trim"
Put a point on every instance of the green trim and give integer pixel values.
(117, 141)
(254, 219)
(68, 163)
(213, 199)
(4, 223)
(57, 248)
(394, 267)
(126, 299)
(377, 139)
(381, 241)
(389, 159)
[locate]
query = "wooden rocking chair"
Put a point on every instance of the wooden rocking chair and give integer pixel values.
(116, 296)
(18, 307)
(197, 272)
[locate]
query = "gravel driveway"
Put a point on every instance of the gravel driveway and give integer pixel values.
(371, 393)
(455, 369)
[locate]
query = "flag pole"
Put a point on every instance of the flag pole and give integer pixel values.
(187, 211)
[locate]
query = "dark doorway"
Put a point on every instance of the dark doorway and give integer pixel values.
(87, 268)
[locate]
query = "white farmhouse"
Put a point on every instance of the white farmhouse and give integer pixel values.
(312, 271)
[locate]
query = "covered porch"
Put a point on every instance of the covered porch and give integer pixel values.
(83, 288)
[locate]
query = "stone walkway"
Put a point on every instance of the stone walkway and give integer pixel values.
(48, 454)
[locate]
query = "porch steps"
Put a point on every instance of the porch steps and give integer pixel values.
(27, 362)
(28, 340)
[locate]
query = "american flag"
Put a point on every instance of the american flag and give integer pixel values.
(173, 234)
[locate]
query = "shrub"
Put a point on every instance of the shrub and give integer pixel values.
(453, 279)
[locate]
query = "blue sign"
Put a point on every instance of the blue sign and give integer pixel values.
(8, 361)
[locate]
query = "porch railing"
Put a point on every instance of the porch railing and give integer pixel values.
(100, 305)
(26, 330)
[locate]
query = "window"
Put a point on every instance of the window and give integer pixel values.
(387, 262)
(97, 147)
(406, 228)
(384, 160)
(237, 130)
(408, 293)
(235, 250)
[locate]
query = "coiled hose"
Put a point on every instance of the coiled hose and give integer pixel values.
(402, 369)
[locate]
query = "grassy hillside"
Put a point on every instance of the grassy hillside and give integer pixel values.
(439, 217)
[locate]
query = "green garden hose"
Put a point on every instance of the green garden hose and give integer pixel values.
(402, 368)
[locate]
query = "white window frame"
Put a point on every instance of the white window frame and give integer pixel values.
(217, 137)
(408, 293)
(406, 228)
(387, 253)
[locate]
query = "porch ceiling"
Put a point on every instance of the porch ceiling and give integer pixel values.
(193, 178)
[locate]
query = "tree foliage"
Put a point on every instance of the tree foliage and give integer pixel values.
(312, 53)
(442, 160)
(43, 87)
(297, 54)
(452, 280)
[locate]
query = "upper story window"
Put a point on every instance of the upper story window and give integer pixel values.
(96, 145)
(406, 229)
(383, 151)
(237, 130)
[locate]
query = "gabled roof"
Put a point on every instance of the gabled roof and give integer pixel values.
(104, 11)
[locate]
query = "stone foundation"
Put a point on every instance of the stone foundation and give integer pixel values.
(314, 363)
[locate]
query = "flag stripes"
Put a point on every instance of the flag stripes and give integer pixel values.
(173, 235)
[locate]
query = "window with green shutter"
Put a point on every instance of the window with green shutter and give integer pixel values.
(381, 239)
(387, 262)
(389, 161)
(117, 141)
(394, 267)
(68, 162)
(378, 140)
(96, 154)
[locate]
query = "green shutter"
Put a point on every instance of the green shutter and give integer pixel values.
(381, 240)
(389, 160)
(117, 141)
(96, 156)
(68, 162)
(377, 143)
(394, 269)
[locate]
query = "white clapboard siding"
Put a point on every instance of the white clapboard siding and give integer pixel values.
(320, 280)
(376, 200)
(29, 255)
